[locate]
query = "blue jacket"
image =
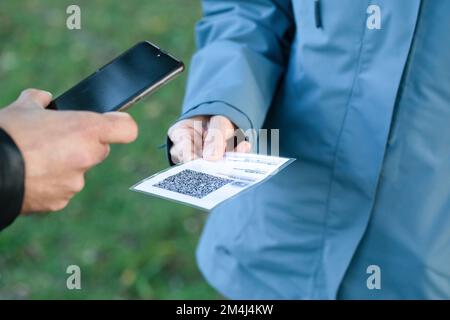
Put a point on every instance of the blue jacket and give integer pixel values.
(366, 112)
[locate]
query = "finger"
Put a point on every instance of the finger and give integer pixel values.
(243, 147)
(185, 127)
(173, 156)
(191, 132)
(197, 141)
(92, 154)
(220, 129)
(179, 154)
(97, 154)
(117, 127)
(102, 153)
(35, 98)
(182, 151)
(179, 133)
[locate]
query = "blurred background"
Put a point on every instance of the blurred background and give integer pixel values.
(128, 245)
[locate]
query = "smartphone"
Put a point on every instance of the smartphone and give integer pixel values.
(124, 81)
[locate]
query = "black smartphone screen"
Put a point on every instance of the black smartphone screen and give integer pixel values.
(121, 81)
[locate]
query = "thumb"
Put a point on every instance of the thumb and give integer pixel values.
(117, 127)
(220, 129)
(34, 98)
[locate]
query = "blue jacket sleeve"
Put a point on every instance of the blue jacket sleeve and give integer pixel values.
(243, 48)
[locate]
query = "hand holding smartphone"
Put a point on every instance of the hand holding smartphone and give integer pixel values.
(119, 84)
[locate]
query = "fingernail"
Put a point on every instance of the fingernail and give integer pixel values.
(48, 92)
(23, 93)
(118, 114)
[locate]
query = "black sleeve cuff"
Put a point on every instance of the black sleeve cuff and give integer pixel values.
(12, 178)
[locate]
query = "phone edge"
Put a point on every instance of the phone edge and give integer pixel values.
(154, 87)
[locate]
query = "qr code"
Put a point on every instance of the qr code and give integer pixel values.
(192, 183)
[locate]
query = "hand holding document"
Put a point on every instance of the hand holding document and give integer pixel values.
(205, 184)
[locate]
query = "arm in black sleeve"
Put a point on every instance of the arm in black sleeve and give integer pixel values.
(12, 178)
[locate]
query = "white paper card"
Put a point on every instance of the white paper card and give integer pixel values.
(205, 184)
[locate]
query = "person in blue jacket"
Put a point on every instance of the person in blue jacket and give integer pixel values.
(360, 91)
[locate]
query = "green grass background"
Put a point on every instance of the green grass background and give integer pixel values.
(128, 245)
